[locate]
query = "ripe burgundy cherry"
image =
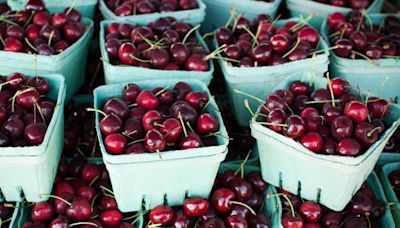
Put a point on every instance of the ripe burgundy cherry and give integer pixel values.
(195, 206)
(162, 215)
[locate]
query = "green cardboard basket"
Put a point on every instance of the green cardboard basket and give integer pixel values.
(305, 8)
(272, 207)
(193, 16)
(144, 177)
(71, 63)
(382, 80)
(385, 158)
(259, 81)
(286, 163)
(86, 7)
(386, 170)
(218, 11)
(30, 170)
(121, 74)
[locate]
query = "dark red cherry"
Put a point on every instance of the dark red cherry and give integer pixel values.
(348, 147)
(195, 206)
(295, 127)
(162, 215)
(357, 111)
(311, 211)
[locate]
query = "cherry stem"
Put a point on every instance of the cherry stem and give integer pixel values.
(231, 16)
(249, 95)
(205, 36)
(207, 104)
(319, 102)
(19, 92)
(190, 127)
(50, 38)
(365, 57)
(2, 40)
(182, 123)
(29, 19)
(293, 48)
(391, 56)
(134, 8)
(159, 154)
(255, 41)
(9, 82)
(334, 34)
(369, 134)
(56, 197)
(96, 110)
(236, 22)
(83, 223)
(323, 50)
(71, 7)
(331, 90)
(244, 205)
(289, 108)
(246, 104)
(162, 91)
(364, 13)
(138, 59)
(241, 167)
(40, 111)
(286, 198)
(30, 45)
(94, 200)
(217, 134)
(133, 105)
(92, 154)
(190, 33)
(302, 23)
(107, 190)
(94, 180)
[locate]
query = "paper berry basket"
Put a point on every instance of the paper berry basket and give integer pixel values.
(320, 11)
(28, 172)
(144, 178)
(386, 170)
(330, 180)
(381, 79)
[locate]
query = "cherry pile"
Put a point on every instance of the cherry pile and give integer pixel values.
(80, 131)
(157, 120)
(25, 110)
(344, 125)
(6, 213)
(394, 179)
(165, 44)
(134, 7)
(260, 43)
(353, 37)
(235, 202)
(354, 4)
(364, 210)
(35, 30)
(81, 195)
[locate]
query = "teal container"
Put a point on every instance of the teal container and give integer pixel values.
(144, 177)
(320, 11)
(272, 207)
(330, 180)
(86, 7)
(83, 99)
(121, 74)
(386, 170)
(193, 16)
(260, 81)
(71, 63)
(30, 170)
(385, 158)
(382, 80)
(218, 11)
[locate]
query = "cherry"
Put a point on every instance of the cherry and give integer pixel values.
(41, 85)
(221, 199)
(286, 95)
(171, 130)
(206, 124)
(331, 218)
(235, 221)
(299, 88)
(261, 53)
(311, 211)
(12, 45)
(162, 215)
(61, 221)
(34, 224)
(181, 220)
(154, 141)
(192, 140)
(187, 112)
(255, 179)
(366, 134)
(111, 218)
(341, 127)
(344, 48)
(151, 120)
(394, 178)
(289, 220)
(73, 31)
(359, 39)
(276, 118)
(90, 172)
(240, 210)
(357, 111)
(361, 205)
(111, 124)
(13, 128)
(312, 141)
(309, 35)
(279, 43)
(242, 188)
(195, 206)
(42, 212)
(34, 133)
(197, 99)
(348, 147)
(378, 108)
(116, 106)
(259, 220)
(147, 99)
(196, 62)
(115, 143)
(334, 19)
(223, 36)
(79, 210)
(179, 53)
(214, 223)
(339, 86)
(131, 92)
(329, 146)
(330, 113)
(125, 53)
(295, 127)
(273, 102)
